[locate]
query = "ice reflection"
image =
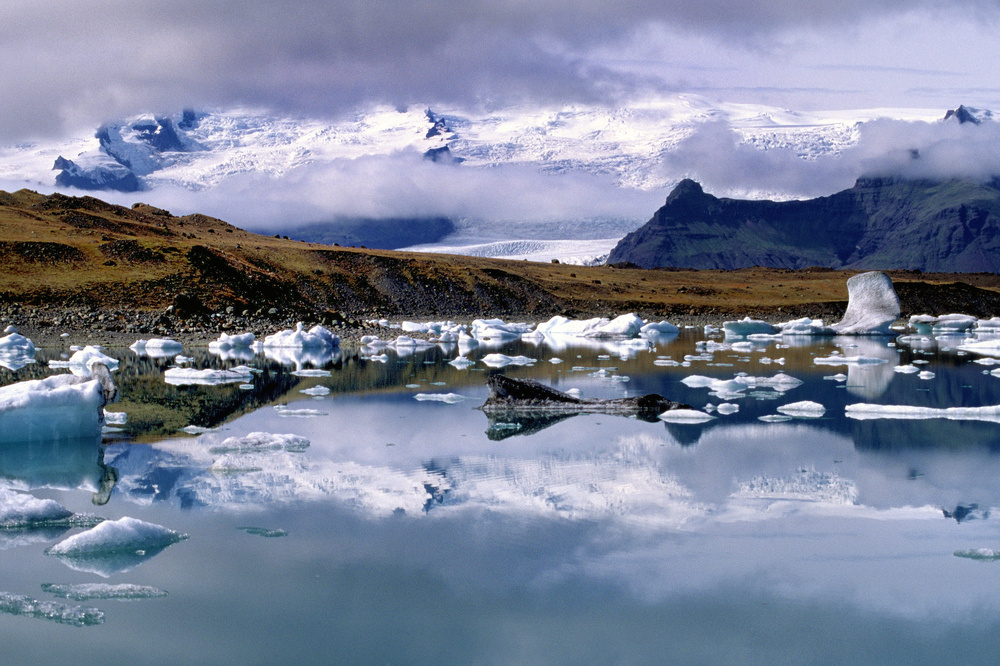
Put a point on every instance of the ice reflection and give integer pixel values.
(58, 462)
(318, 357)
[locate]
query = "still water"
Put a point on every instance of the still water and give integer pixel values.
(418, 531)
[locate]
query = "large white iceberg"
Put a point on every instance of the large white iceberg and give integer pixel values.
(226, 342)
(747, 326)
(872, 306)
(55, 407)
(316, 337)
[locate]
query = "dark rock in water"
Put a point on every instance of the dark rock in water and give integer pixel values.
(880, 223)
(524, 406)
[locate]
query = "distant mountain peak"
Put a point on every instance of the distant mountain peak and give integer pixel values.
(967, 114)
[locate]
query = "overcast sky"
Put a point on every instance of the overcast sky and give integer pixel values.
(70, 64)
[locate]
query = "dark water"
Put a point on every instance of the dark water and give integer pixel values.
(416, 531)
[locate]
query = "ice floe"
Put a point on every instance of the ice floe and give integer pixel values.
(981, 554)
(260, 442)
(53, 611)
(866, 411)
(207, 377)
(449, 398)
(103, 591)
(502, 360)
(805, 408)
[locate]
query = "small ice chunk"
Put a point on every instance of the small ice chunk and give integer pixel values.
(460, 362)
(125, 535)
(80, 362)
(183, 360)
(115, 418)
(747, 326)
(449, 398)
(19, 510)
(685, 416)
(89, 591)
(982, 554)
(727, 408)
(54, 611)
(284, 410)
(864, 411)
(837, 359)
(316, 391)
(502, 360)
(805, 408)
(311, 372)
(207, 377)
(906, 369)
(926, 374)
(774, 418)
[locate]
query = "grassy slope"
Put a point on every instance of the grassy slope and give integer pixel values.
(60, 249)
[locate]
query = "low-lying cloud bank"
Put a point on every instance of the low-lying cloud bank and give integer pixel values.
(715, 155)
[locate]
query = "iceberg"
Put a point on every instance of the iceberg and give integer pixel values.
(89, 591)
(54, 611)
(685, 416)
(226, 342)
(316, 337)
(837, 359)
(872, 306)
(747, 326)
(156, 347)
(805, 408)
(19, 510)
(57, 407)
(16, 351)
(114, 546)
(658, 330)
(502, 360)
(447, 398)
(81, 361)
(867, 411)
(206, 377)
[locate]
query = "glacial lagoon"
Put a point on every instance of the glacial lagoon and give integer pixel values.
(334, 517)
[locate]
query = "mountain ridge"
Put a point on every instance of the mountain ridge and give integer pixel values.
(880, 223)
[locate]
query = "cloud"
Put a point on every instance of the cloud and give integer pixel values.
(76, 63)
(715, 155)
(405, 185)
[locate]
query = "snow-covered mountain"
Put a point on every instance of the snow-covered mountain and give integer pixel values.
(549, 174)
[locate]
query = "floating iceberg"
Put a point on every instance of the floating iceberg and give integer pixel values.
(872, 306)
(685, 416)
(156, 347)
(747, 326)
(16, 351)
(837, 359)
(89, 591)
(981, 554)
(659, 329)
(983, 347)
(866, 411)
(502, 360)
(114, 546)
(19, 510)
(316, 337)
(805, 408)
(82, 360)
(207, 377)
(497, 329)
(54, 611)
(55, 408)
(448, 398)
(943, 325)
(227, 342)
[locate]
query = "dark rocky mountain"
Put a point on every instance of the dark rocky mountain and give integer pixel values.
(880, 223)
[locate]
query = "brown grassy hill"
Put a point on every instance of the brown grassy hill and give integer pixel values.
(80, 251)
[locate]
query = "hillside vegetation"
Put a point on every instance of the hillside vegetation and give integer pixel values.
(81, 251)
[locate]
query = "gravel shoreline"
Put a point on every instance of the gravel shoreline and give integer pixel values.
(113, 327)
